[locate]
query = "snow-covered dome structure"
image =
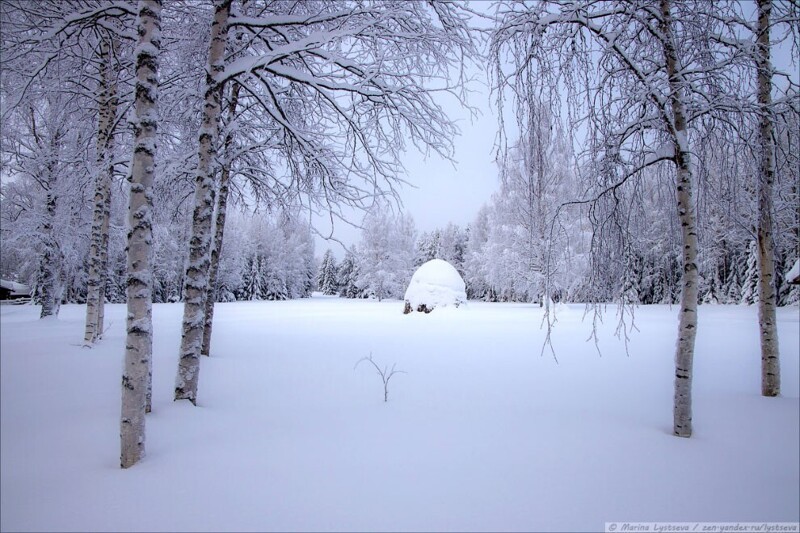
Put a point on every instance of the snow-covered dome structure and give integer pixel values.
(435, 284)
(793, 276)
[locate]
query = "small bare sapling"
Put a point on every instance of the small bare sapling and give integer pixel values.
(385, 373)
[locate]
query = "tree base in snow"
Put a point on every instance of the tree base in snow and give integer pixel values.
(421, 308)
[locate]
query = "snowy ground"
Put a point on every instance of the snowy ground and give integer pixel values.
(482, 433)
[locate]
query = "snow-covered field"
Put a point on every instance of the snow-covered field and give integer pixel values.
(481, 432)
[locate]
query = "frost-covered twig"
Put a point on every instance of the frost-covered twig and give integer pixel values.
(550, 319)
(384, 373)
(623, 326)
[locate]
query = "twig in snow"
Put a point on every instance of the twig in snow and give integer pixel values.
(384, 373)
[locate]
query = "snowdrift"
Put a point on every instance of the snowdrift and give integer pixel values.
(435, 284)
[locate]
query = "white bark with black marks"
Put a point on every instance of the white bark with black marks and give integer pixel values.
(139, 341)
(196, 282)
(767, 298)
(98, 249)
(687, 314)
(219, 228)
(48, 279)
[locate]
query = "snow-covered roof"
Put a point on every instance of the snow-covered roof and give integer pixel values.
(793, 276)
(14, 287)
(436, 284)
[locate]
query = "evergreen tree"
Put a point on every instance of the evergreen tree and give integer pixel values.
(474, 262)
(750, 283)
(250, 288)
(422, 250)
(732, 287)
(347, 275)
(630, 283)
(327, 281)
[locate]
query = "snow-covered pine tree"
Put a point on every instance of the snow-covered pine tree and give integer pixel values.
(475, 259)
(299, 269)
(749, 291)
(453, 245)
(347, 275)
(630, 283)
(732, 288)
(251, 284)
(327, 281)
(272, 277)
(422, 249)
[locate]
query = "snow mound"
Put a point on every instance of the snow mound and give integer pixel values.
(14, 287)
(435, 284)
(793, 276)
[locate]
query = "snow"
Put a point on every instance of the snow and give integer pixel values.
(793, 276)
(435, 284)
(664, 151)
(480, 433)
(14, 287)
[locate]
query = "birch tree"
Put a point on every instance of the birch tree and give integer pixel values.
(750, 42)
(49, 287)
(767, 298)
(139, 340)
(636, 80)
(196, 284)
(344, 85)
(42, 153)
(42, 198)
(219, 226)
(104, 168)
(50, 36)
(687, 316)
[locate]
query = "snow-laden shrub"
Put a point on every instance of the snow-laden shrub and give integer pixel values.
(434, 284)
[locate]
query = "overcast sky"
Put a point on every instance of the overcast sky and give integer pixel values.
(438, 191)
(442, 192)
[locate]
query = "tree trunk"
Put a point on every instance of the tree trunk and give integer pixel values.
(48, 279)
(139, 342)
(48, 282)
(687, 326)
(219, 229)
(196, 282)
(770, 361)
(98, 249)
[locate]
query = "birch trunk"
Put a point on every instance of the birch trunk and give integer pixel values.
(48, 279)
(770, 360)
(139, 342)
(219, 230)
(687, 315)
(98, 249)
(101, 301)
(196, 281)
